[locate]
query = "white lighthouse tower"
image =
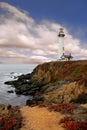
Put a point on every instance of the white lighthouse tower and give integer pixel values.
(61, 36)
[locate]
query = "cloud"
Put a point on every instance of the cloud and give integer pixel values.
(27, 41)
(36, 59)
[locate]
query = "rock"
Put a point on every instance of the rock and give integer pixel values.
(48, 79)
(4, 107)
(36, 100)
(30, 102)
(10, 91)
(9, 106)
(8, 82)
(82, 98)
(12, 72)
(72, 92)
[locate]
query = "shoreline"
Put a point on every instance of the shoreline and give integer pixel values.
(54, 77)
(56, 87)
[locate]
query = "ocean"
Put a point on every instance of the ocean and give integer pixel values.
(7, 73)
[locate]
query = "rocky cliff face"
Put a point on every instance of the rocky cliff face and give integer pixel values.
(70, 93)
(56, 71)
(55, 81)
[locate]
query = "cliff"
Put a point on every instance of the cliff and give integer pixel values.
(56, 71)
(56, 82)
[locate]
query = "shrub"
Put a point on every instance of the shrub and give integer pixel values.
(12, 120)
(42, 105)
(70, 124)
(65, 108)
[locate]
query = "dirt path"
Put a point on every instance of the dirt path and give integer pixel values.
(40, 119)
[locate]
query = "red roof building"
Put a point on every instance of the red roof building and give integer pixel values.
(67, 57)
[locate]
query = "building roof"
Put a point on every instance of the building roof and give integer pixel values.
(69, 56)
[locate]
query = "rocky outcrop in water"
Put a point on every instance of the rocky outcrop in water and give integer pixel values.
(64, 78)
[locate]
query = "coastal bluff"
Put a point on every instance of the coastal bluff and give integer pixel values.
(54, 82)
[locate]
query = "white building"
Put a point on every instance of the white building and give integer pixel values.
(61, 52)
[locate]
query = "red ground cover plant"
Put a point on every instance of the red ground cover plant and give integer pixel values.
(73, 125)
(42, 105)
(33, 105)
(12, 120)
(65, 119)
(65, 108)
(70, 124)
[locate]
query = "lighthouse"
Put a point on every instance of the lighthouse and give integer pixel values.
(61, 36)
(61, 52)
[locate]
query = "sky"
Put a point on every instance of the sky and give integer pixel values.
(29, 29)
